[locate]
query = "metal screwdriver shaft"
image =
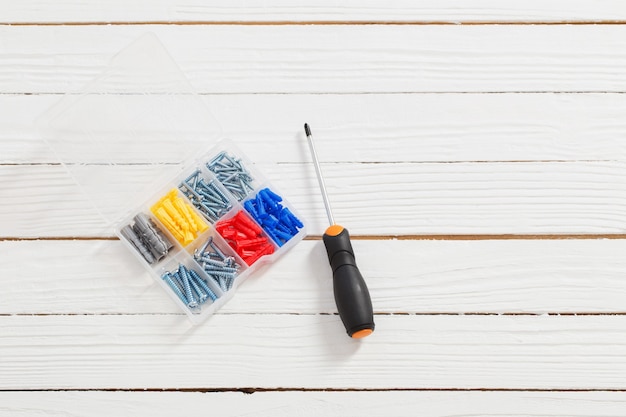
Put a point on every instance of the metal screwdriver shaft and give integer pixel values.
(318, 171)
(351, 294)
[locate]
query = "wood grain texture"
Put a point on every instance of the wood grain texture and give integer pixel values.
(312, 404)
(425, 127)
(371, 199)
(362, 127)
(38, 11)
(338, 59)
(450, 277)
(312, 351)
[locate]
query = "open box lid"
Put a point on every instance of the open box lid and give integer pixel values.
(130, 130)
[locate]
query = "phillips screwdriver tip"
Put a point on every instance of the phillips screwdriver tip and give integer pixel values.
(307, 129)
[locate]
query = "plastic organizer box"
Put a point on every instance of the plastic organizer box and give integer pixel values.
(135, 141)
(210, 228)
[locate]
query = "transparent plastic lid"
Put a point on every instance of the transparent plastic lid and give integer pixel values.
(129, 130)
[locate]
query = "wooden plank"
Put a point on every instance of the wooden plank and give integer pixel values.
(434, 127)
(372, 199)
(323, 58)
(510, 276)
(452, 11)
(312, 351)
(313, 404)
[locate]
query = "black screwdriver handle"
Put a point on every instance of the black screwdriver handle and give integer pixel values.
(351, 294)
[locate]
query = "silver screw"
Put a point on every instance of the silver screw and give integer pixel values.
(193, 176)
(206, 197)
(217, 250)
(182, 270)
(168, 279)
(203, 284)
(232, 174)
(201, 295)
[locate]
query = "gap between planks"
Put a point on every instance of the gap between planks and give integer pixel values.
(614, 236)
(483, 161)
(340, 93)
(252, 390)
(321, 23)
(378, 314)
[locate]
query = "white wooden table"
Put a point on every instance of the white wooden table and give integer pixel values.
(476, 150)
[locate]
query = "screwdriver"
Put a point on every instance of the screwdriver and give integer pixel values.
(351, 294)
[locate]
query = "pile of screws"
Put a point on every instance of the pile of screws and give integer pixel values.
(208, 198)
(277, 221)
(245, 237)
(187, 284)
(223, 269)
(147, 238)
(179, 217)
(232, 174)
